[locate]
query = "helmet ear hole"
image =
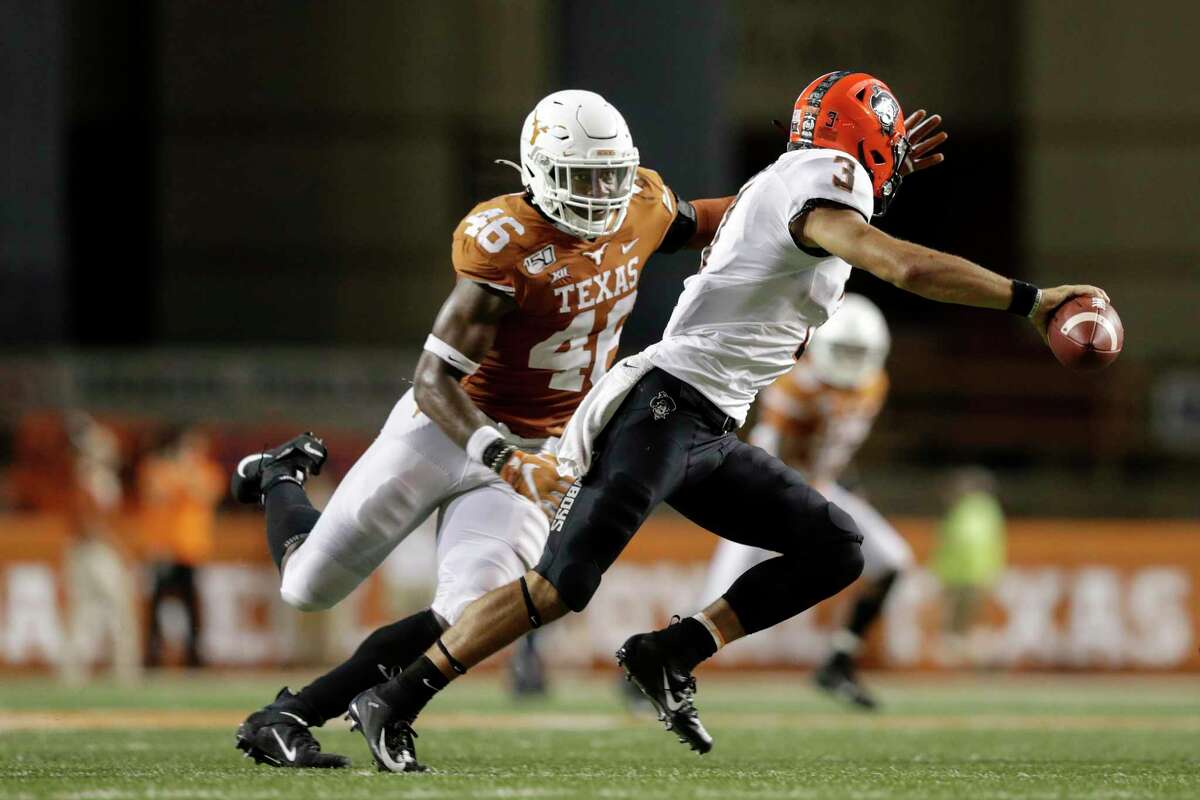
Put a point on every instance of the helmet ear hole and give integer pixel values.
(878, 158)
(861, 93)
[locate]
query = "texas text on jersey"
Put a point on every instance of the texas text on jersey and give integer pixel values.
(814, 426)
(573, 296)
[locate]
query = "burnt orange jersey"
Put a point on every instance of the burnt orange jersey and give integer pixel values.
(819, 427)
(572, 296)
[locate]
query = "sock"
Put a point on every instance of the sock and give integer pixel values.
(845, 648)
(290, 517)
(869, 604)
(412, 689)
(380, 656)
(688, 641)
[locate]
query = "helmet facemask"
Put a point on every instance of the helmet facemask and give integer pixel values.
(587, 196)
(849, 350)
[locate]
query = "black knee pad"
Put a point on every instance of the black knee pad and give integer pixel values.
(576, 585)
(844, 560)
(841, 523)
(587, 547)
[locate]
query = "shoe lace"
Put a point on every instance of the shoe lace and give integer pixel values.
(401, 736)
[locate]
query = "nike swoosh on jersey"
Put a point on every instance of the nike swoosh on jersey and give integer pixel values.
(625, 248)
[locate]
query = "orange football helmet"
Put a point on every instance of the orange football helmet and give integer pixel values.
(856, 113)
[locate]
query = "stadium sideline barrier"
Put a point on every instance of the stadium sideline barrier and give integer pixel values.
(1077, 594)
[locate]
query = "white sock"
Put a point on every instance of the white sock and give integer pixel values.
(703, 619)
(844, 641)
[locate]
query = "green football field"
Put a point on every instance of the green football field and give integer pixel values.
(939, 737)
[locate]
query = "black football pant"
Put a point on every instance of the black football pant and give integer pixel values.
(668, 443)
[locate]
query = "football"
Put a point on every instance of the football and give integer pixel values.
(1086, 334)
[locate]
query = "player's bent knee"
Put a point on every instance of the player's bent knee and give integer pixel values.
(577, 583)
(845, 562)
(303, 594)
(304, 602)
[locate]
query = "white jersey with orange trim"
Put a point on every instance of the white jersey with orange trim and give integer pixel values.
(743, 319)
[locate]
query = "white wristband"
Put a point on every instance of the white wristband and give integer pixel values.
(479, 440)
(451, 356)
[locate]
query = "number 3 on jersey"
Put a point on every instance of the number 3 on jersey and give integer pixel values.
(573, 363)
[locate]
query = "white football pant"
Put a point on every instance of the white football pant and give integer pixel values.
(488, 535)
(884, 549)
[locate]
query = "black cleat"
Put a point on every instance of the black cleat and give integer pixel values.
(668, 687)
(390, 740)
(839, 678)
(292, 461)
(281, 738)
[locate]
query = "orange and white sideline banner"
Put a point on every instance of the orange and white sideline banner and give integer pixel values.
(1077, 594)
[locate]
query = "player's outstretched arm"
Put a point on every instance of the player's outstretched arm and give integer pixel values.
(929, 273)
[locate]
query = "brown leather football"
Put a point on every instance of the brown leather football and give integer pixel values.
(1086, 334)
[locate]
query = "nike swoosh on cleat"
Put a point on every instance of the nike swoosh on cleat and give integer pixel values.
(245, 462)
(386, 757)
(312, 451)
(293, 716)
(290, 753)
(427, 683)
(669, 700)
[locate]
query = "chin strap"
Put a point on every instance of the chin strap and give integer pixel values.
(508, 163)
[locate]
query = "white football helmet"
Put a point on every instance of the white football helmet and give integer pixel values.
(578, 161)
(849, 349)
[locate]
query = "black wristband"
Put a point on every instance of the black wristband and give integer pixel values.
(1024, 298)
(496, 454)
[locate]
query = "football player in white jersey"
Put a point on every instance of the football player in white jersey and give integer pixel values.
(814, 418)
(658, 427)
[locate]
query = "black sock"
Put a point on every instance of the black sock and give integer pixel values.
(290, 517)
(687, 641)
(380, 656)
(869, 604)
(408, 692)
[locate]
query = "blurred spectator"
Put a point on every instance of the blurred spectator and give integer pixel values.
(968, 558)
(180, 487)
(70, 464)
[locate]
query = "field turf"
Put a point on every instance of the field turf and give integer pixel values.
(939, 737)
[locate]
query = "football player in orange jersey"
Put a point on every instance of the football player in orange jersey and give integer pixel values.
(546, 279)
(814, 418)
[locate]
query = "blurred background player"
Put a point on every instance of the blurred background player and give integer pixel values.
(69, 465)
(814, 418)
(180, 486)
(968, 560)
(546, 279)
